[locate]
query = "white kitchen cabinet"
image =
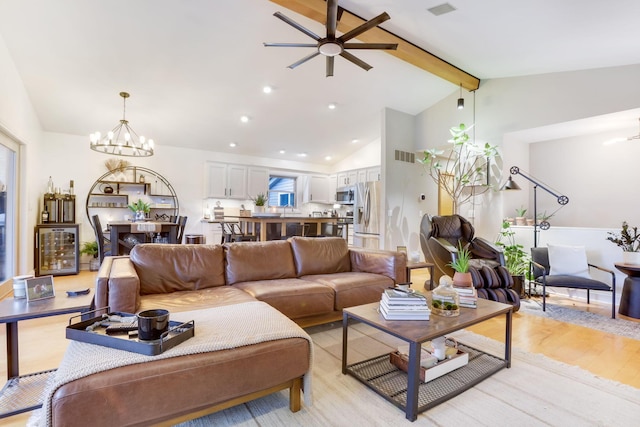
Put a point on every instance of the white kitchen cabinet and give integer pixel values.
(317, 189)
(226, 181)
(257, 181)
(333, 186)
(212, 232)
(362, 175)
(373, 174)
(347, 178)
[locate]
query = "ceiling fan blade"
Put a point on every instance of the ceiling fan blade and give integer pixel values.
(386, 46)
(297, 26)
(364, 27)
(303, 60)
(332, 18)
(359, 62)
(290, 45)
(330, 62)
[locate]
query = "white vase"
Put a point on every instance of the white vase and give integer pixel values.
(259, 209)
(631, 258)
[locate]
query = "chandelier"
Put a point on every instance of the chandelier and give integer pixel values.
(122, 140)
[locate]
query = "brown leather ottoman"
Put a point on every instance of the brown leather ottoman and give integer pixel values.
(239, 352)
(172, 390)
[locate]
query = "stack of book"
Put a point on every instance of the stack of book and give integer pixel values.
(404, 305)
(467, 295)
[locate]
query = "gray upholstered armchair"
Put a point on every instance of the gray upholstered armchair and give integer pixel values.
(440, 237)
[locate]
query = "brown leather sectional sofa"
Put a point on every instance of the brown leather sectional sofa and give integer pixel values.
(309, 280)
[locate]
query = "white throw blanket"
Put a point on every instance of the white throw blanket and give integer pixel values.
(216, 328)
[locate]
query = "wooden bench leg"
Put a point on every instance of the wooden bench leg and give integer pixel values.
(294, 395)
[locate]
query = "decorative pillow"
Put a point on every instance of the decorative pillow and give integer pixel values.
(568, 260)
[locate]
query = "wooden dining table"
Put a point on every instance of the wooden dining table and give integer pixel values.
(124, 235)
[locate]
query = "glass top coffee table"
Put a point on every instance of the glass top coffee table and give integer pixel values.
(405, 390)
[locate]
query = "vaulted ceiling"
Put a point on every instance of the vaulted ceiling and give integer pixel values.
(194, 67)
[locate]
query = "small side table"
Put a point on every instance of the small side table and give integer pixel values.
(630, 299)
(422, 264)
(22, 393)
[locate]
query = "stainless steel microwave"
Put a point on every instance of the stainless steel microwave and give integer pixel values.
(345, 195)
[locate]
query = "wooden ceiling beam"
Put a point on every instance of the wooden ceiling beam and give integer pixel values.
(407, 51)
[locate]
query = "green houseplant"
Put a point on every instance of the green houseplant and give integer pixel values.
(140, 209)
(460, 265)
(260, 201)
(517, 261)
(91, 248)
(629, 240)
(462, 164)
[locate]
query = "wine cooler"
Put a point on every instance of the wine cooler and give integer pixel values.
(57, 250)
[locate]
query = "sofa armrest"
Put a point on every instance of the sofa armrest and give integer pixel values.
(388, 263)
(118, 285)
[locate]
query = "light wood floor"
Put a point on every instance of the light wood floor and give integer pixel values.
(43, 342)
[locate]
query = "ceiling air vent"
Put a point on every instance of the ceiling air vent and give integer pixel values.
(441, 9)
(405, 156)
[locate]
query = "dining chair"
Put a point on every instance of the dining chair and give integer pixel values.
(182, 222)
(104, 246)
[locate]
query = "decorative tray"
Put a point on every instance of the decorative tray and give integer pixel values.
(94, 331)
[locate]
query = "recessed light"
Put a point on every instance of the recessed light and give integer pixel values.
(302, 154)
(332, 106)
(282, 151)
(233, 144)
(267, 89)
(244, 119)
(354, 141)
(327, 157)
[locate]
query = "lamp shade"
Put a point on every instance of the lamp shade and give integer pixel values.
(510, 185)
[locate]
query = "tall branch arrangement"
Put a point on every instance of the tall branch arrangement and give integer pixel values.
(460, 165)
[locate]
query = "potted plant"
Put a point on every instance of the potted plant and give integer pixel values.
(517, 261)
(260, 201)
(91, 248)
(460, 265)
(462, 164)
(140, 209)
(629, 240)
(520, 215)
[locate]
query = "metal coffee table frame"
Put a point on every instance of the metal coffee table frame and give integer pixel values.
(405, 390)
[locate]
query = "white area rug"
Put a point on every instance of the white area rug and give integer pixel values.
(536, 391)
(615, 326)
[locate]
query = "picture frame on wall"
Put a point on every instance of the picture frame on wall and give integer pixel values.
(39, 288)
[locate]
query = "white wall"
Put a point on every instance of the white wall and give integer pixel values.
(19, 120)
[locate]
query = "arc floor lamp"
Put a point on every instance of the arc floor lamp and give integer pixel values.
(512, 185)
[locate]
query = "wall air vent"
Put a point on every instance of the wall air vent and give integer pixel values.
(405, 156)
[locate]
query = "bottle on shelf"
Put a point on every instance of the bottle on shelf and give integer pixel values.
(45, 215)
(50, 187)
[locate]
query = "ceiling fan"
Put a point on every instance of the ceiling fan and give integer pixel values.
(331, 46)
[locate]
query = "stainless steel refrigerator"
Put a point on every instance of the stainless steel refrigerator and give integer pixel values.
(366, 215)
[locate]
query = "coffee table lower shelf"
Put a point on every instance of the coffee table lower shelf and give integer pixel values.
(387, 380)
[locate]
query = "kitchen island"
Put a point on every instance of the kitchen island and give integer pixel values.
(275, 227)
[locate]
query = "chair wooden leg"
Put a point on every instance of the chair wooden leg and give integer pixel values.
(588, 300)
(544, 296)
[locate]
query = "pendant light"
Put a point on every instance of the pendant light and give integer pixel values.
(461, 99)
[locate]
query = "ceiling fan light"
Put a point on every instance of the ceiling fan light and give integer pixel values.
(330, 49)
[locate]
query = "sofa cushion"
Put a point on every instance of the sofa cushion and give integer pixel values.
(194, 300)
(247, 261)
(294, 298)
(171, 268)
(353, 289)
(320, 255)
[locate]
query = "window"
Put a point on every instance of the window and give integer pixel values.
(282, 191)
(8, 161)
